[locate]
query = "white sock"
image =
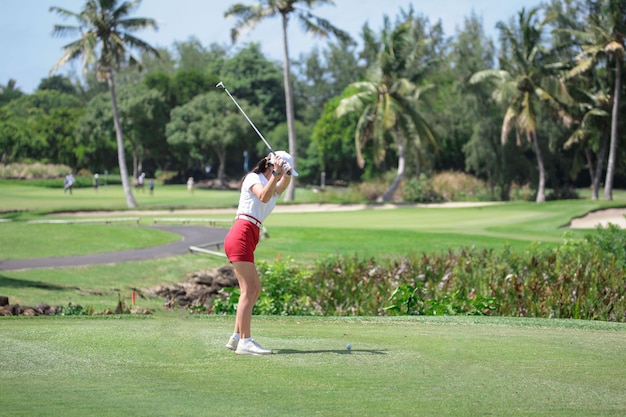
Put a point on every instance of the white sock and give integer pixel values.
(247, 339)
(236, 336)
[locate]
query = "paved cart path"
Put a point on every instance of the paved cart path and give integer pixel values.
(190, 236)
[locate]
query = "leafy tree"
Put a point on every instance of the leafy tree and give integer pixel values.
(332, 144)
(106, 42)
(190, 83)
(9, 92)
(141, 110)
(250, 15)
(40, 126)
(141, 113)
(321, 74)
(96, 142)
(388, 106)
(192, 55)
(14, 137)
(58, 83)
(471, 109)
(208, 127)
(249, 75)
(527, 76)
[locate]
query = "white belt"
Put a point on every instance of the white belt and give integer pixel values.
(251, 220)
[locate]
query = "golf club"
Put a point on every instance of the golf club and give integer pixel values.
(221, 84)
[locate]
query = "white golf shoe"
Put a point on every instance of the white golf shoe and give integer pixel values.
(251, 348)
(232, 343)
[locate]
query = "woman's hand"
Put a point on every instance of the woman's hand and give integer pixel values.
(278, 164)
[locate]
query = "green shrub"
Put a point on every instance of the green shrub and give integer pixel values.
(282, 293)
(371, 190)
(421, 191)
(581, 279)
(227, 301)
(459, 186)
(74, 310)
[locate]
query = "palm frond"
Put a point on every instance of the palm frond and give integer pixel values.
(581, 67)
(322, 28)
(555, 88)
(526, 120)
(362, 134)
(64, 30)
(64, 13)
(580, 135)
(507, 124)
(247, 17)
(505, 92)
(498, 76)
(135, 24)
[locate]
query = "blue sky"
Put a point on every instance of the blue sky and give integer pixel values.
(28, 50)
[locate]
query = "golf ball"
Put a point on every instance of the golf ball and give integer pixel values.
(348, 346)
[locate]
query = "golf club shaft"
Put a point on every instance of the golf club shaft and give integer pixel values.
(221, 84)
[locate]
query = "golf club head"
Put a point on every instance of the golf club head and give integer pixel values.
(220, 84)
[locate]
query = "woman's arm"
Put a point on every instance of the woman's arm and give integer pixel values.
(266, 193)
(276, 184)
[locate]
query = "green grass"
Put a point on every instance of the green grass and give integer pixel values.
(101, 286)
(18, 197)
(172, 365)
(21, 241)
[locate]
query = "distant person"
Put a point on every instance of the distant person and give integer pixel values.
(190, 184)
(140, 181)
(96, 182)
(68, 183)
(151, 186)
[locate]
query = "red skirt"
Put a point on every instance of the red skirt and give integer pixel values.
(241, 241)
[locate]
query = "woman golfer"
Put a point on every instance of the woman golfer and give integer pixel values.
(257, 200)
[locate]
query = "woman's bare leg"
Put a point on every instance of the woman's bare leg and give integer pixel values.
(250, 289)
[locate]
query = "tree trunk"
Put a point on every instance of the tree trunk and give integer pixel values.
(399, 175)
(135, 164)
(290, 193)
(610, 167)
(121, 157)
(595, 176)
(541, 187)
(221, 169)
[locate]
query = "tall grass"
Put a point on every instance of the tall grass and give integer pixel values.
(33, 171)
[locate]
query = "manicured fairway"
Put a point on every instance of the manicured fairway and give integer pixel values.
(171, 365)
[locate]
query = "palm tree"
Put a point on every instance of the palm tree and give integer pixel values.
(105, 44)
(526, 79)
(593, 124)
(250, 15)
(603, 41)
(387, 105)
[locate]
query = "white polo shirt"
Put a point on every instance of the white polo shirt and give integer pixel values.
(249, 203)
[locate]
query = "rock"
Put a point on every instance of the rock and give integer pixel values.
(199, 288)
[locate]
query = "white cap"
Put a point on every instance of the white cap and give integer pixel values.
(285, 157)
